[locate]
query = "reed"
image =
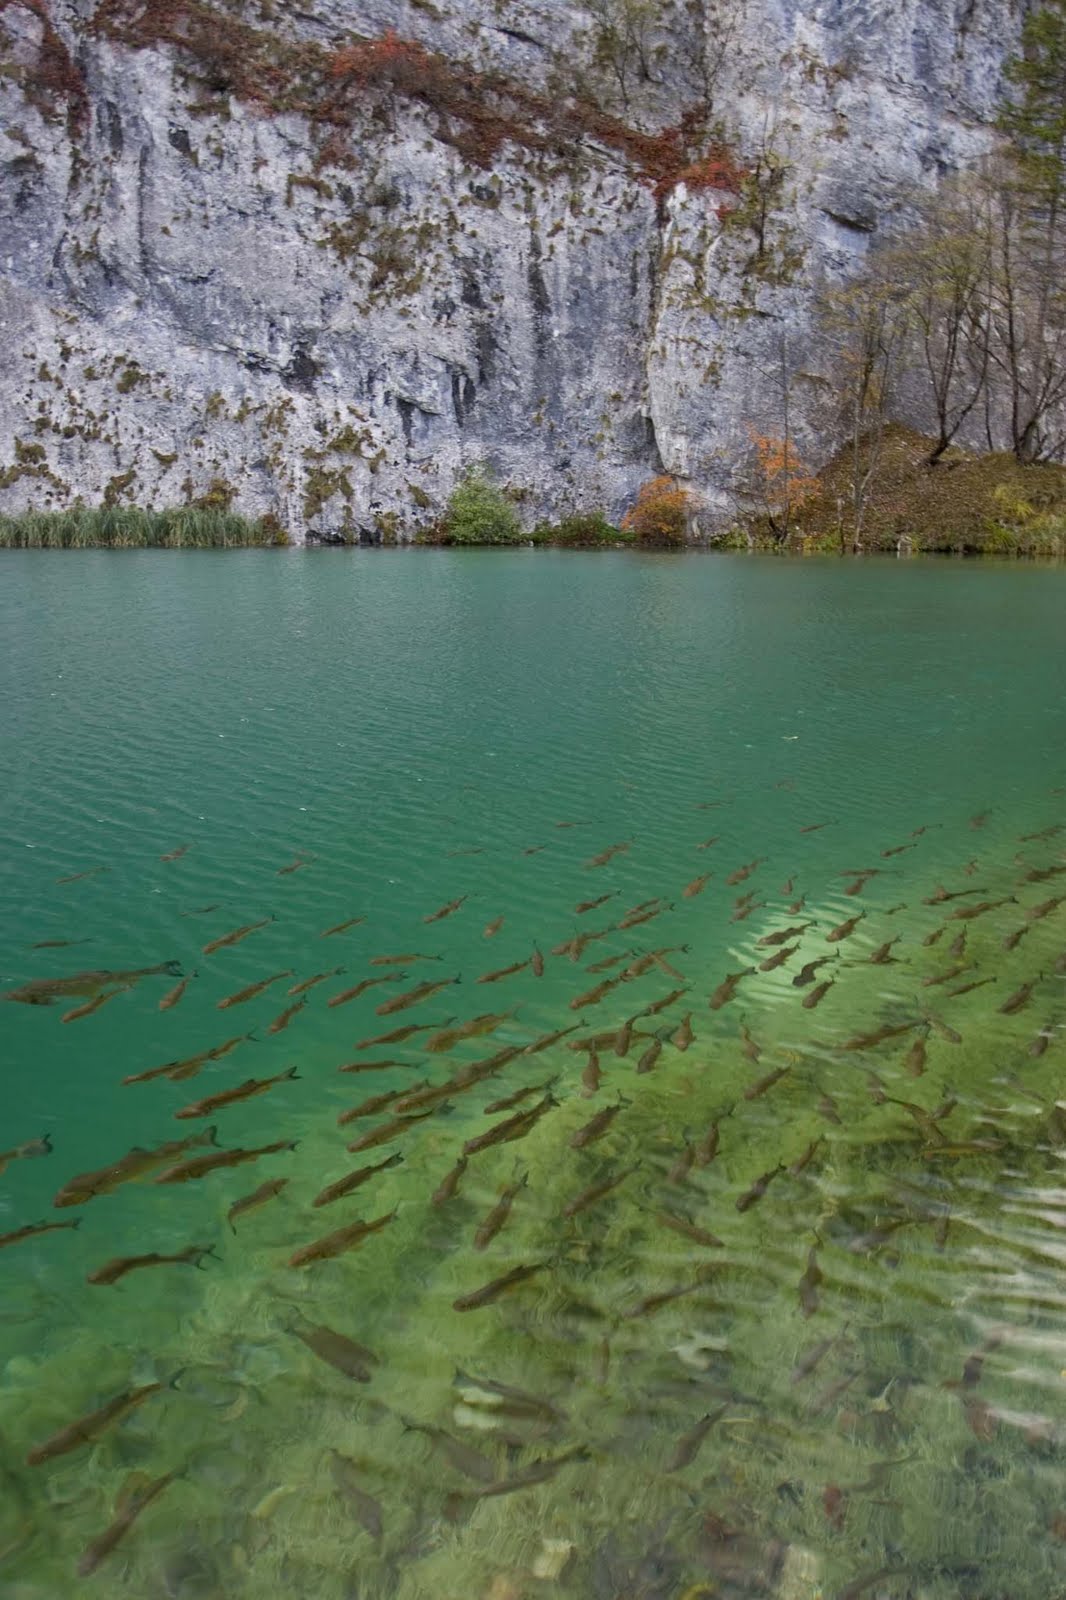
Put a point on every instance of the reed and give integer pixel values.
(132, 528)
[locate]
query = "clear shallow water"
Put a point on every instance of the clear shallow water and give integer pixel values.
(878, 1337)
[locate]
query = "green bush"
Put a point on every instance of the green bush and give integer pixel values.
(582, 528)
(478, 512)
(112, 527)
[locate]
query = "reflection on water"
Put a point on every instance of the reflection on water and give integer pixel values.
(713, 1247)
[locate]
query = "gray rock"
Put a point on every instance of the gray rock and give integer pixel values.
(191, 298)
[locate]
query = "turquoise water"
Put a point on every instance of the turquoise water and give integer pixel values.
(877, 1339)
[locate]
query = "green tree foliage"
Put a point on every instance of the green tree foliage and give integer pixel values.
(478, 512)
(1035, 119)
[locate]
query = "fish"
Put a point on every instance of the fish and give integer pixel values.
(505, 1400)
(591, 1076)
(395, 1128)
(655, 1302)
(689, 1230)
(688, 1446)
(760, 1088)
(591, 905)
(346, 1475)
(370, 1108)
(609, 854)
(813, 1357)
(665, 1003)
(402, 960)
(943, 1029)
(783, 935)
(980, 819)
(940, 895)
(118, 1266)
(659, 959)
(540, 1472)
(592, 997)
(744, 872)
(471, 1463)
(86, 1430)
(743, 914)
(504, 972)
(534, 850)
(834, 1504)
(948, 975)
(890, 1030)
(749, 1047)
(30, 1230)
(512, 1128)
(398, 1035)
(861, 880)
(413, 997)
(87, 1008)
(707, 1148)
(684, 1035)
(343, 998)
(968, 988)
(1019, 998)
(252, 990)
(682, 1165)
(758, 1189)
(897, 850)
(335, 1244)
(697, 886)
(228, 1097)
(283, 1018)
(251, 1202)
(448, 1187)
(23, 1152)
(1013, 940)
(127, 1169)
(200, 1166)
(345, 1355)
(809, 1284)
(816, 827)
(844, 929)
(294, 865)
(342, 927)
(1044, 909)
(546, 1040)
(203, 911)
(491, 1291)
(129, 1509)
(772, 963)
(319, 977)
(494, 1219)
(967, 913)
(651, 1055)
(595, 1128)
(491, 929)
(635, 918)
(1045, 833)
(447, 1038)
(803, 1161)
(76, 877)
(726, 990)
(45, 991)
(172, 996)
(706, 844)
(934, 937)
(609, 961)
(58, 944)
(828, 1108)
(817, 994)
(883, 956)
(517, 1097)
(446, 910)
(1043, 874)
(178, 1071)
(914, 1060)
(478, 1070)
(237, 935)
(597, 1191)
(176, 854)
(536, 963)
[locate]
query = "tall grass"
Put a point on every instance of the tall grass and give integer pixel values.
(130, 528)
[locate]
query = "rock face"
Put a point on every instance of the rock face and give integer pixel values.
(319, 260)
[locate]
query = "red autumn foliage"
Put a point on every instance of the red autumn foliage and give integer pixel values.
(478, 112)
(661, 513)
(54, 80)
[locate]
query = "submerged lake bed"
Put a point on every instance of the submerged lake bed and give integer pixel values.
(598, 1098)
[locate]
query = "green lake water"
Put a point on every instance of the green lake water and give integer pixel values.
(812, 1341)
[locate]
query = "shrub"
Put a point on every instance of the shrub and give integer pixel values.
(479, 512)
(661, 513)
(131, 528)
(582, 528)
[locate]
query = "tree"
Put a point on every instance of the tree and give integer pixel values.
(478, 512)
(661, 513)
(622, 40)
(1025, 287)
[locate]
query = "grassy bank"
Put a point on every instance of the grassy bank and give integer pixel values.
(129, 528)
(964, 505)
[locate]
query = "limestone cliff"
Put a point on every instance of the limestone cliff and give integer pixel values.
(319, 257)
